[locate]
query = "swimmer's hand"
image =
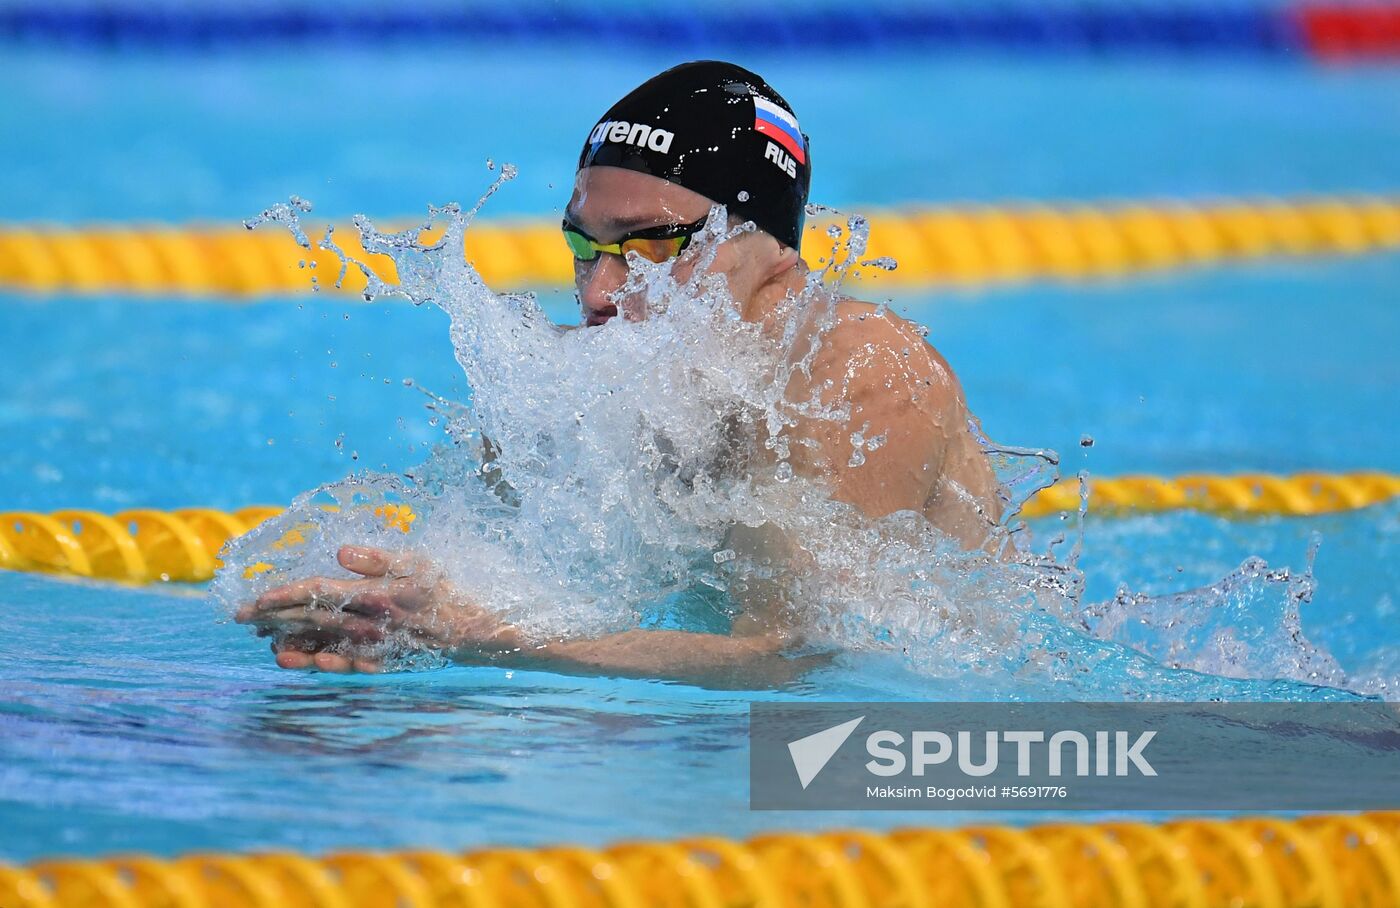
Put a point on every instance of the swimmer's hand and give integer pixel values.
(319, 622)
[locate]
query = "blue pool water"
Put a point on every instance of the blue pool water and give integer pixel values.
(133, 720)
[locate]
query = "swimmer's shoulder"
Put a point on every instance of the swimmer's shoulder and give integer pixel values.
(866, 326)
(873, 340)
(860, 322)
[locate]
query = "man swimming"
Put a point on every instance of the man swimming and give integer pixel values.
(694, 136)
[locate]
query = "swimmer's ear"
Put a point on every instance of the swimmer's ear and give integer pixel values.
(786, 259)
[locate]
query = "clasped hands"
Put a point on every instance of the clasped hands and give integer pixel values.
(333, 624)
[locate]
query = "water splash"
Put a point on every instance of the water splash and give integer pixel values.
(597, 474)
(1248, 622)
(288, 214)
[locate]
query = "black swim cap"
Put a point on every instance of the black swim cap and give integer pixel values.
(716, 129)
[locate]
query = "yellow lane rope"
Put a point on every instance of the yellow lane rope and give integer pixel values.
(1244, 494)
(147, 546)
(933, 246)
(1319, 862)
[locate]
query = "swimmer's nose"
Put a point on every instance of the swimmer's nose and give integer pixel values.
(595, 317)
(596, 286)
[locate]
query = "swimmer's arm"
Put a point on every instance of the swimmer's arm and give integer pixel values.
(752, 655)
(708, 659)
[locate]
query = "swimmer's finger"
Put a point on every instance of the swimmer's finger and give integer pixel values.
(368, 666)
(334, 663)
(391, 601)
(365, 560)
(368, 561)
(359, 610)
(305, 641)
(294, 652)
(294, 659)
(334, 627)
(376, 603)
(370, 600)
(298, 592)
(311, 591)
(312, 628)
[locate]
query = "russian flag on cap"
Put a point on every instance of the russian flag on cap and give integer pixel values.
(780, 126)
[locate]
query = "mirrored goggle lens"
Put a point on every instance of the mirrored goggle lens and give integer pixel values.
(580, 246)
(655, 250)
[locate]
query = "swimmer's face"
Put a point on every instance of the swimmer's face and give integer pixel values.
(609, 202)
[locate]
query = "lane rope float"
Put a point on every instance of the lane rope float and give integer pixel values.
(1330, 31)
(144, 545)
(1322, 861)
(967, 246)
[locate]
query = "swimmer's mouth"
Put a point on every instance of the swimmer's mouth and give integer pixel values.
(597, 317)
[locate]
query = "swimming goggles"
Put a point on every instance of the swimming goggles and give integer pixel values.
(655, 244)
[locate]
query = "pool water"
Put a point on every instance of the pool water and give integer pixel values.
(133, 719)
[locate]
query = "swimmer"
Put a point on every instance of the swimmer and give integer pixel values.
(649, 173)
